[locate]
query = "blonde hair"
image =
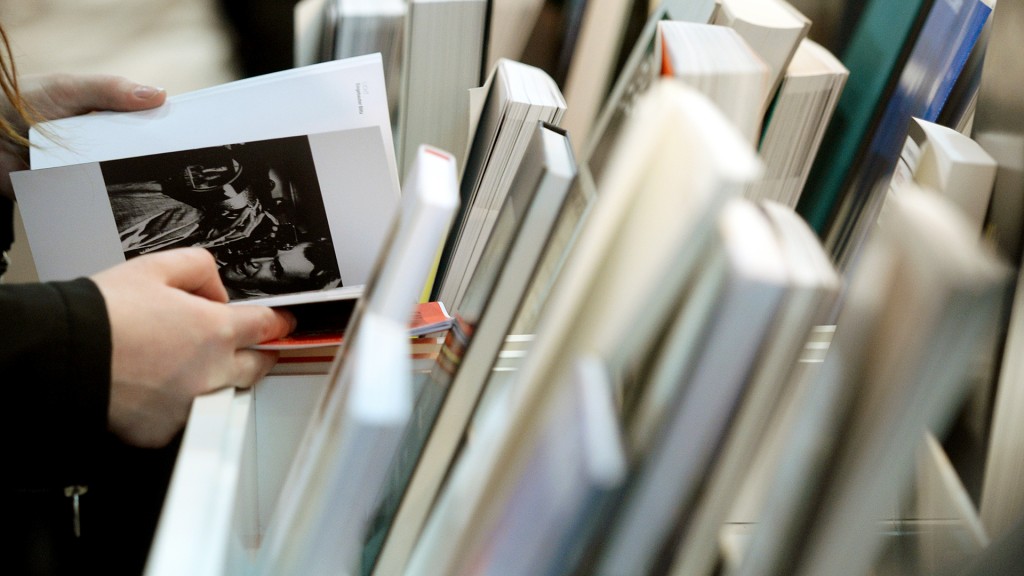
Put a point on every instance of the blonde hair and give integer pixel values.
(9, 85)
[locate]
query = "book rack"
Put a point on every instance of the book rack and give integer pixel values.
(238, 445)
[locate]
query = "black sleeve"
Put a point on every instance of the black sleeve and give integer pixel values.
(55, 354)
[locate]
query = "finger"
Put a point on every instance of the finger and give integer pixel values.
(190, 269)
(255, 324)
(72, 95)
(252, 365)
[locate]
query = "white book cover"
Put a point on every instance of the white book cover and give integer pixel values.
(325, 533)
(574, 469)
(708, 391)
(402, 266)
(774, 28)
(796, 123)
(326, 97)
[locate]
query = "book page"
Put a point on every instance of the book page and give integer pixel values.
(282, 216)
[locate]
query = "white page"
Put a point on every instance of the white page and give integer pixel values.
(326, 97)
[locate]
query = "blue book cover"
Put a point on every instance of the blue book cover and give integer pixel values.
(947, 38)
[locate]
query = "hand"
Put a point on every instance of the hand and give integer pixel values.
(174, 339)
(62, 95)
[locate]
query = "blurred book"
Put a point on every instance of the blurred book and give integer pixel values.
(696, 382)
(1002, 501)
(324, 532)
(921, 87)
(517, 97)
(811, 286)
(875, 55)
(950, 163)
(796, 122)
(772, 28)
(430, 200)
(639, 71)
(678, 162)
(572, 471)
(442, 60)
(921, 300)
(509, 27)
(719, 63)
(590, 68)
(449, 396)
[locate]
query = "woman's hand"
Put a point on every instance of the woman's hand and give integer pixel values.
(56, 96)
(174, 338)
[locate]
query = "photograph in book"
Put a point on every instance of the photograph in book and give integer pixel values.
(281, 216)
(257, 207)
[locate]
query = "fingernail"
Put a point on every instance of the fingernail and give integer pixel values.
(146, 92)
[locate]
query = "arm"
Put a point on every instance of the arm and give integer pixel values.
(126, 350)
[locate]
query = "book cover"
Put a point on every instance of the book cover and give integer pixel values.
(875, 56)
(946, 40)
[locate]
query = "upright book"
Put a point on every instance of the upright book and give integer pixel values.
(796, 122)
(941, 159)
(720, 64)
(947, 38)
(517, 97)
(591, 65)
(896, 368)
(875, 54)
(1002, 503)
(449, 396)
(773, 28)
(401, 268)
(442, 60)
(638, 241)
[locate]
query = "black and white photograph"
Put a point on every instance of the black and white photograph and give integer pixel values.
(256, 206)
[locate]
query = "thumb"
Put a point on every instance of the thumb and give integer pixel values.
(192, 270)
(72, 95)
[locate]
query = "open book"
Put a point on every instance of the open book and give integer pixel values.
(289, 179)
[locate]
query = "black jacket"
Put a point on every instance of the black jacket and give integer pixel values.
(55, 361)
